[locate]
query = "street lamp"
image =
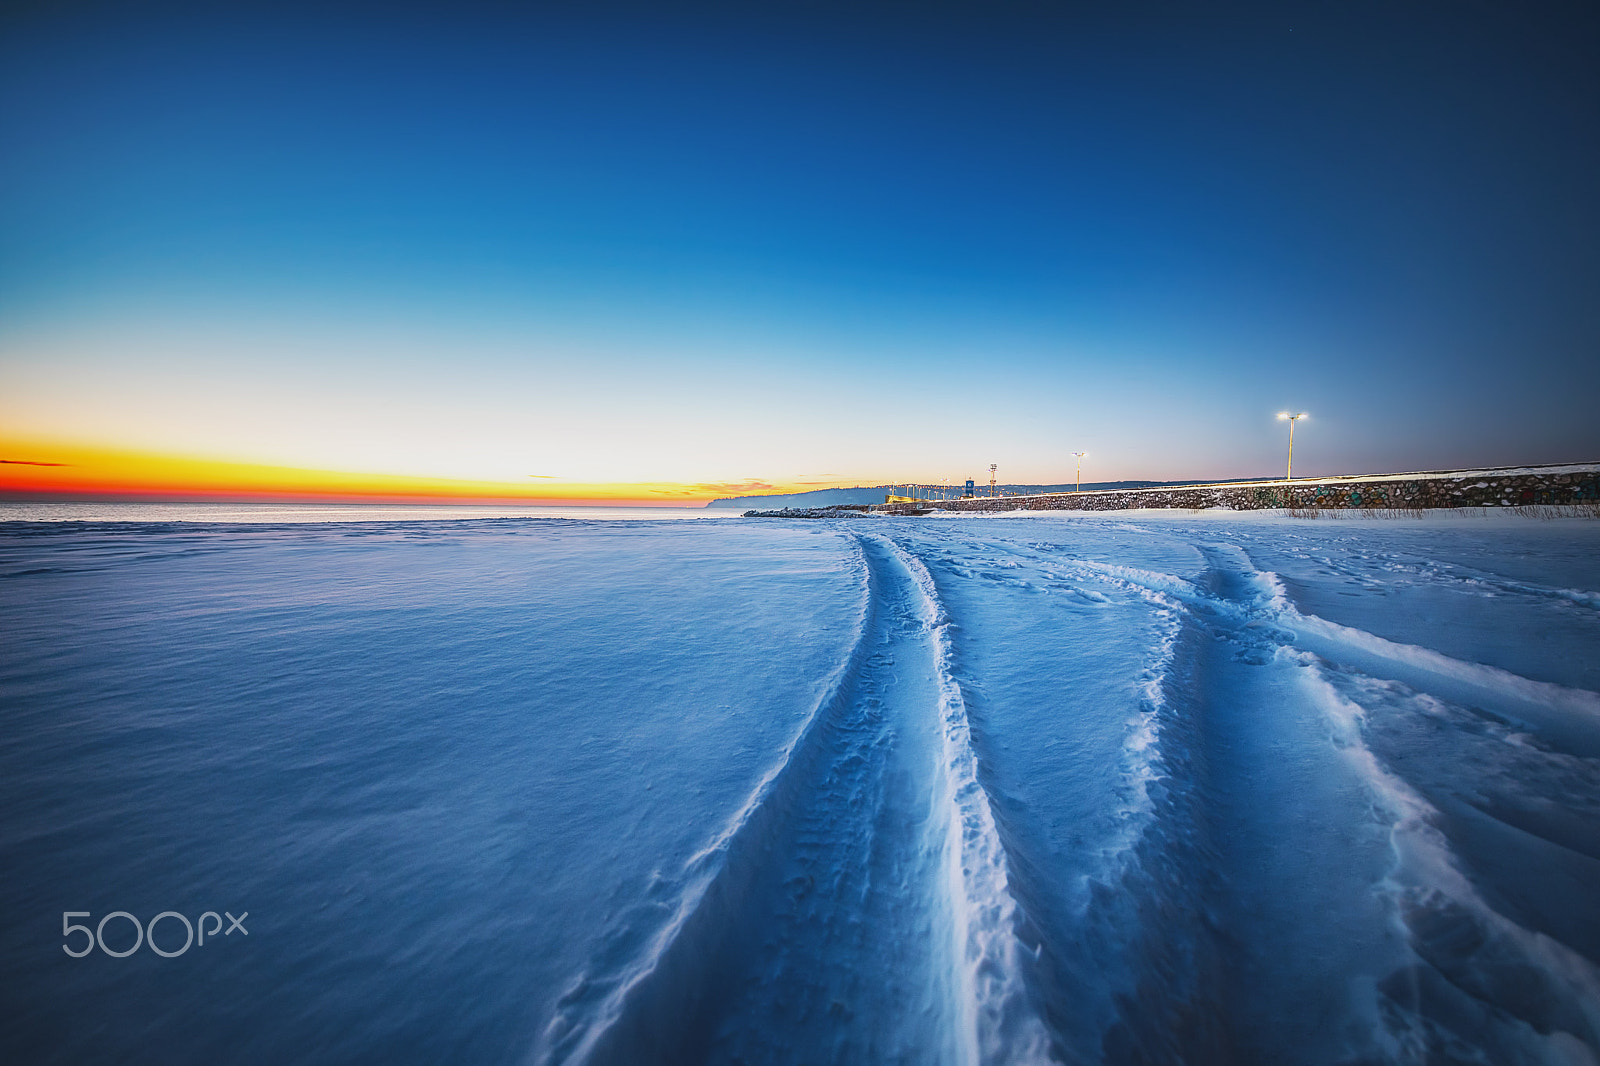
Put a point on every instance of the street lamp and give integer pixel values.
(1285, 416)
(1080, 456)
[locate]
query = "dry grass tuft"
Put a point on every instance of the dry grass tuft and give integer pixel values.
(1392, 512)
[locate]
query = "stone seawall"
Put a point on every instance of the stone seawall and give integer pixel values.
(1509, 487)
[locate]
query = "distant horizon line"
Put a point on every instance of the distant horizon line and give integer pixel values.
(46, 495)
(330, 499)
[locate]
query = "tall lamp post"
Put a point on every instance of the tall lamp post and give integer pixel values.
(1080, 456)
(1285, 416)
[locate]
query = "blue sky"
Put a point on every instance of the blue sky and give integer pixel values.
(786, 242)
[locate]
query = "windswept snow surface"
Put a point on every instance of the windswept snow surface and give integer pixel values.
(1070, 788)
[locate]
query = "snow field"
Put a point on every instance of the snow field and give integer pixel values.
(1070, 788)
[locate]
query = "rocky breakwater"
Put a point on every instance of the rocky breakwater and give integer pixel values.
(1567, 485)
(843, 511)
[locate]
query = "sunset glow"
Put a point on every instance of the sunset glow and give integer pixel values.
(49, 470)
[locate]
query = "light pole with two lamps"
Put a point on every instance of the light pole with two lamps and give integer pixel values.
(1285, 416)
(1080, 456)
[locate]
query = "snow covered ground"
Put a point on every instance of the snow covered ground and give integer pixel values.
(1147, 787)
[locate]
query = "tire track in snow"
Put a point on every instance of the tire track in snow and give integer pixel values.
(1420, 569)
(659, 969)
(1479, 981)
(1450, 898)
(852, 929)
(1242, 910)
(1124, 958)
(1472, 980)
(1001, 1023)
(856, 910)
(1244, 925)
(1569, 716)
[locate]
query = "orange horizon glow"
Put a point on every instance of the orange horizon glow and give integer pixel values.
(39, 469)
